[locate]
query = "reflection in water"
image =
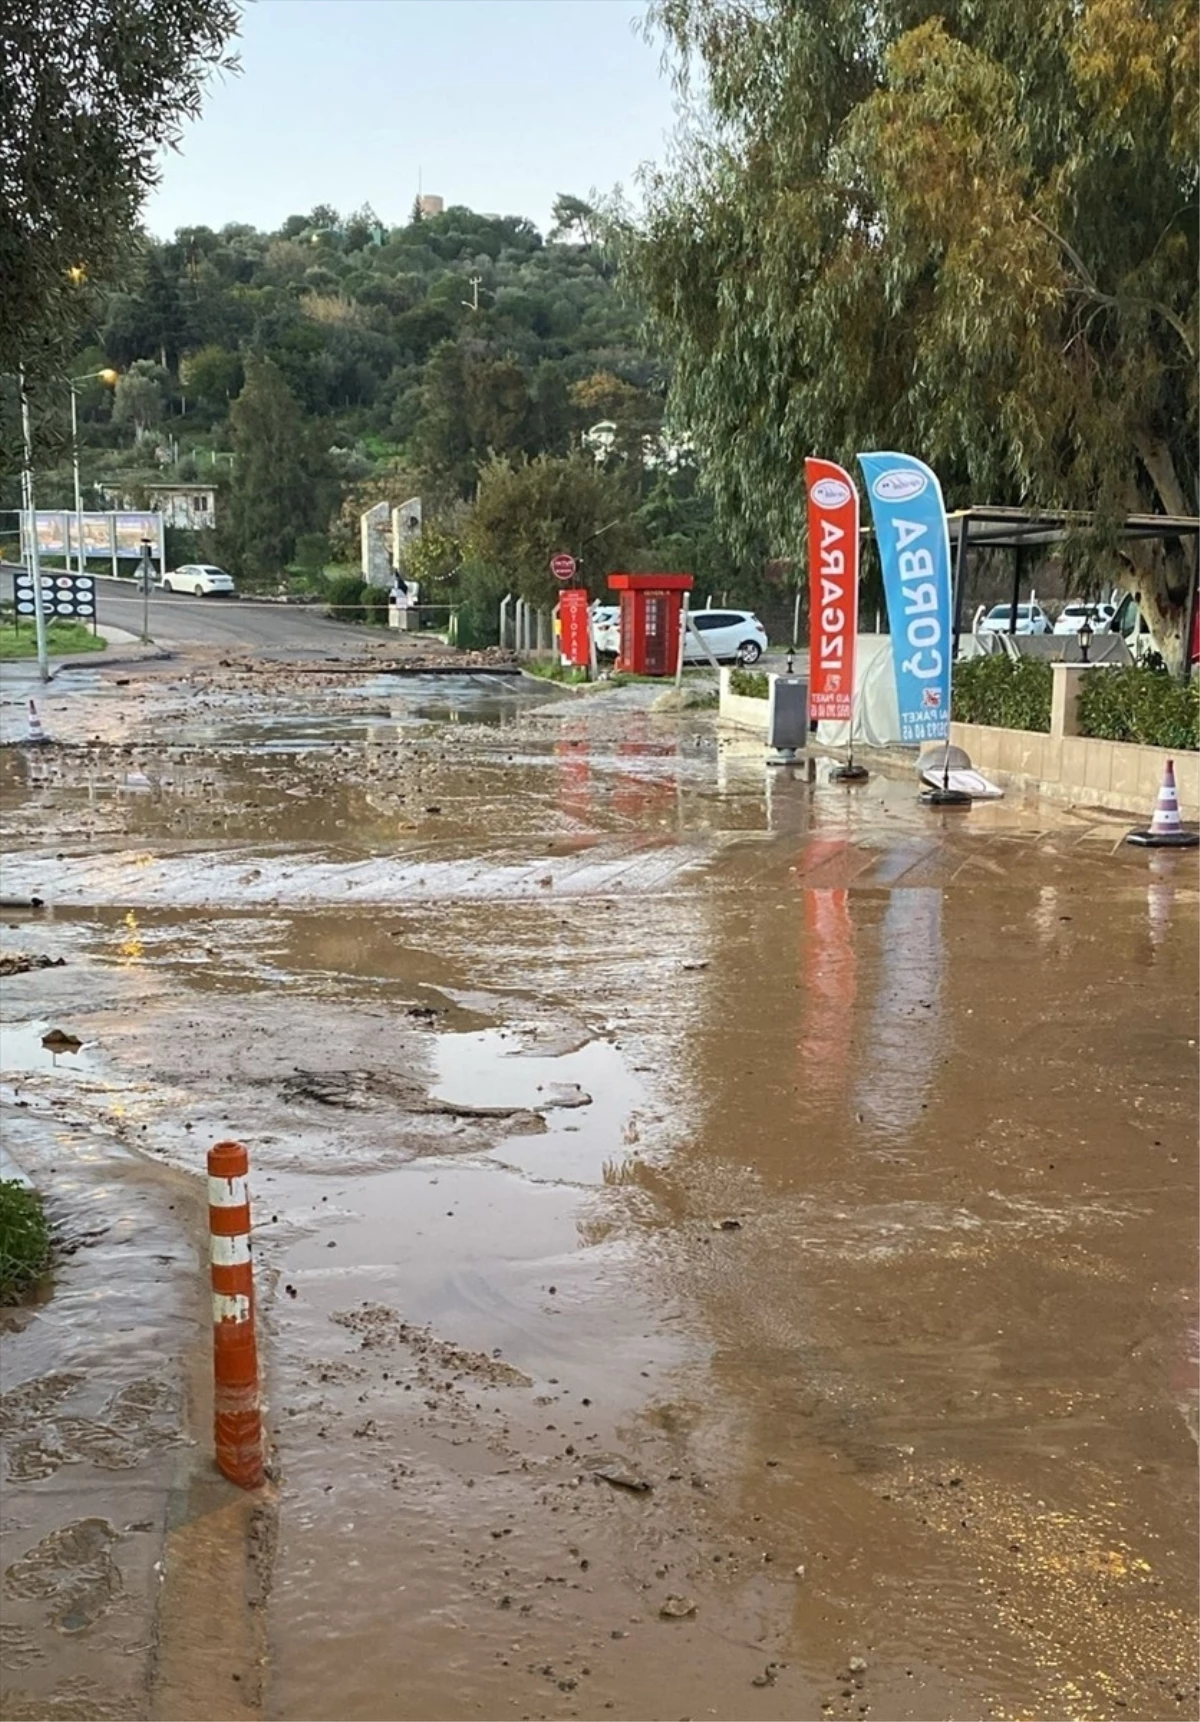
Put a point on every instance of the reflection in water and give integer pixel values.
(1045, 914)
(131, 947)
(574, 775)
(828, 970)
(903, 1037)
(1160, 897)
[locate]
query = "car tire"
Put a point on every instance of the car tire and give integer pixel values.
(166, 586)
(749, 652)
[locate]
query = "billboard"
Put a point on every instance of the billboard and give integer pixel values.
(116, 535)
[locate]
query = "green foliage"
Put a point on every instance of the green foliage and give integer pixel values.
(550, 670)
(751, 684)
(965, 231)
(138, 398)
(282, 484)
(1009, 693)
(346, 595)
(527, 510)
(1140, 705)
(376, 600)
(24, 1239)
(91, 93)
(480, 589)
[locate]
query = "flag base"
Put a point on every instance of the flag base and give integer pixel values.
(849, 773)
(1165, 839)
(942, 797)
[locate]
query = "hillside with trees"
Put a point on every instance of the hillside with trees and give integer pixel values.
(503, 377)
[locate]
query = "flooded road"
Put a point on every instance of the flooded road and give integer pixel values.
(726, 1246)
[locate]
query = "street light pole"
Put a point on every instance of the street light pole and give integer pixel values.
(34, 556)
(78, 489)
(107, 375)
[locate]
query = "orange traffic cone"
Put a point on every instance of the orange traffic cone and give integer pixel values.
(1166, 830)
(36, 733)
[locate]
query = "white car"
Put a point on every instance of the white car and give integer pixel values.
(1072, 617)
(606, 628)
(201, 579)
(736, 634)
(1031, 619)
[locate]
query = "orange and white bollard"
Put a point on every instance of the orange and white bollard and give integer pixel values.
(237, 1416)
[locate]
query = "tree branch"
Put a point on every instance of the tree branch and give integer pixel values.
(1094, 291)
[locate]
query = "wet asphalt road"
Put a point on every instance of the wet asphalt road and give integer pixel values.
(245, 623)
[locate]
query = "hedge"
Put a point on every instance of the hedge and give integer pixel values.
(1009, 693)
(751, 684)
(1139, 705)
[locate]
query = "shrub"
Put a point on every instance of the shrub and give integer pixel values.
(751, 684)
(1010, 693)
(346, 598)
(1140, 705)
(375, 601)
(24, 1239)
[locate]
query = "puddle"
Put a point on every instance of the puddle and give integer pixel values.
(590, 1098)
(21, 1050)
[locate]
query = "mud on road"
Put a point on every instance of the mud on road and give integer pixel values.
(725, 1245)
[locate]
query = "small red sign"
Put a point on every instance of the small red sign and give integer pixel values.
(562, 566)
(575, 641)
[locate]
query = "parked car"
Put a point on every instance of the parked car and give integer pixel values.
(1031, 619)
(1072, 617)
(728, 634)
(606, 628)
(201, 579)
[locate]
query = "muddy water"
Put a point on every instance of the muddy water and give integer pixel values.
(621, 1117)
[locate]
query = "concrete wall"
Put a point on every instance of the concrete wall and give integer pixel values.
(1077, 768)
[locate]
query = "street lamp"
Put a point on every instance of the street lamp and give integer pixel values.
(109, 376)
(1085, 638)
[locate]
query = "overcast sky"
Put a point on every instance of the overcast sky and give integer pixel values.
(496, 104)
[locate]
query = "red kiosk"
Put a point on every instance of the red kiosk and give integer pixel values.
(651, 605)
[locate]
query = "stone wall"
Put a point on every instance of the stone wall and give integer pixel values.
(1078, 768)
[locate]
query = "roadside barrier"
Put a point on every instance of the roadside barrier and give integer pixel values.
(36, 733)
(237, 1417)
(1166, 830)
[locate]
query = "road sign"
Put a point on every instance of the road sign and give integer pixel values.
(576, 637)
(562, 566)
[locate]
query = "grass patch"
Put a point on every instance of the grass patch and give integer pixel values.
(24, 1239)
(547, 670)
(63, 639)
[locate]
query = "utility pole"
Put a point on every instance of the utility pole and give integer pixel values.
(147, 569)
(475, 283)
(34, 553)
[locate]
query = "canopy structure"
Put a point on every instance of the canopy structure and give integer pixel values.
(1021, 529)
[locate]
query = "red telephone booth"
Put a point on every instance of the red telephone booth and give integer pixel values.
(650, 606)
